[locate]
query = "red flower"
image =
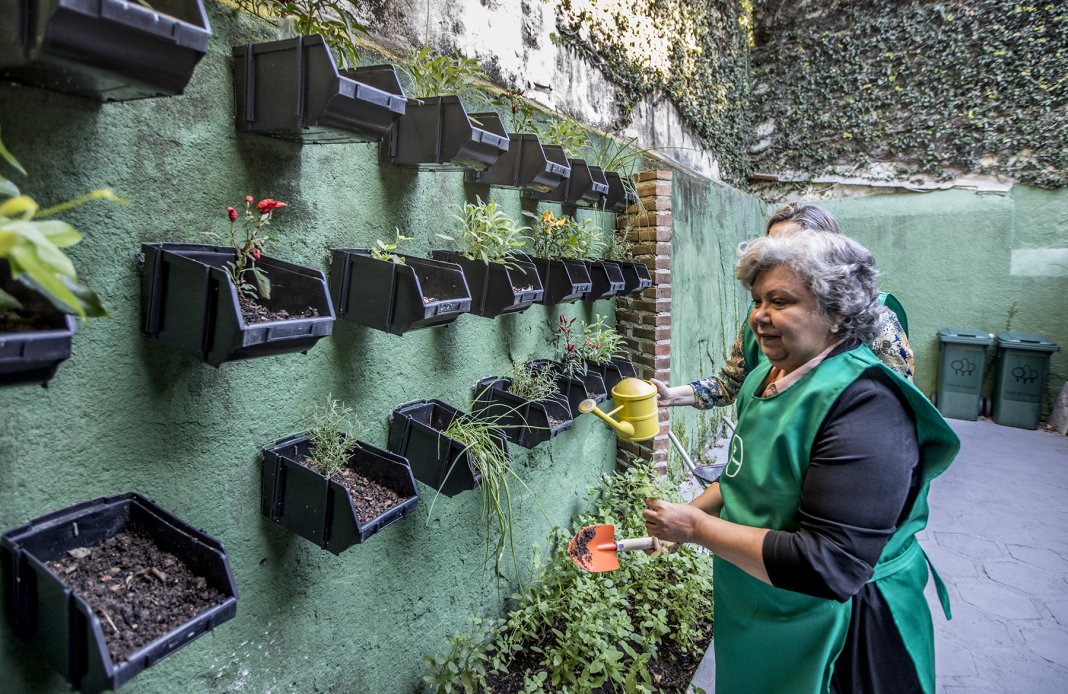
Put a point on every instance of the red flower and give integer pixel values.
(248, 198)
(233, 214)
(266, 205)
(256, 253)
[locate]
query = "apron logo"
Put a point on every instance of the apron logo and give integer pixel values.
(734, 465)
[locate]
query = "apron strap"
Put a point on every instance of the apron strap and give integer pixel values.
(903, 560)
(940, 586)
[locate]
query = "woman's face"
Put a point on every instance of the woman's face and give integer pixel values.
(786, 319)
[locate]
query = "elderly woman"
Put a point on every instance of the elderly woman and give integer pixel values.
(818, 576)
(889, 341)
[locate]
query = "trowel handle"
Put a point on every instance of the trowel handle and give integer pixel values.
(634, 544)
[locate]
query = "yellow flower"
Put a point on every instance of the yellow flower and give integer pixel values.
(547, 217)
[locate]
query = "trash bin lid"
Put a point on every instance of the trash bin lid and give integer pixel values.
(965, 336)
(1032, 341)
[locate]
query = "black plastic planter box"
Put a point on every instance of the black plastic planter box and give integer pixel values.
(585, 186)
(320, 509)
(613, 372)
(112, 50)
(32, 357)
(526, 164)
(292, 90)
(495, 288)
(189, 303)
(563, 280)
(575, 390)
(606, 279)
(523, 422)
(437, 134)
(619, 196)
(415, 432)
(61, 626)
(636, 278)
(395, 298)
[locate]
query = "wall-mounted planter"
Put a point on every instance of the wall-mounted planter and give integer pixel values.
(585, 186)
(563, 280)
(438, 461)
(619, 196)
(606, 279)
(526, 164)
(523, 422)
(575, 390)
(32, 355)
(63, 626)
(436, 134)
(613, 372)
(395, 298)
(321, 509)
(636, 278)
(112, 50)
(292, 90)
(189, 303)
(497, 289)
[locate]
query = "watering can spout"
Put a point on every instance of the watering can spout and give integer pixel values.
(636, 400)
(625, 429)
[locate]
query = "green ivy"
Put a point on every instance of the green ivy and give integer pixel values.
(959, 86)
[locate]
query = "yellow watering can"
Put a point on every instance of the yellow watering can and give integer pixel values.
(637, 410)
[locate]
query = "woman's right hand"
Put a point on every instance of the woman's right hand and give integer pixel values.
(669, 396)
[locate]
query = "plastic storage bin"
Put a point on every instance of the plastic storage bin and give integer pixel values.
(960, 371)
(1020, 383)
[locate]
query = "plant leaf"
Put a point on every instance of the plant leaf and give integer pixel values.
(8, 188)
(10, 158)
(8, 302)
(262, 283)
(19, 206)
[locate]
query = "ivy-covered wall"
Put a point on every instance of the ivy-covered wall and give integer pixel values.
(126, 413)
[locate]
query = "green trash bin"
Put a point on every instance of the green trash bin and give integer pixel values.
(1020, 384)
(960, 373)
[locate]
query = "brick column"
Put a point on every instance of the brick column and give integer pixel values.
(645, 320)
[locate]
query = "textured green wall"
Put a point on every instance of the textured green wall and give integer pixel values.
(125, 413)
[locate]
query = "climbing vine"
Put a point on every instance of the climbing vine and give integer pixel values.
(939, 88)
(695, 53)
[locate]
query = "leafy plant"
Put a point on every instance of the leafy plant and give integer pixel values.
(567, 134)
(563, 237)
(332, 433)
(430, 75)
(531, 383)
(572, 363)
(384, 251)
(521, 110)
(487, 233)
(249, 242)
(617, 247)
(32, 247)
(600, 342)
(623, 157)
(332, 20)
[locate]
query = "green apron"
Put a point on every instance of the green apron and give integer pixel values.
(779, 641)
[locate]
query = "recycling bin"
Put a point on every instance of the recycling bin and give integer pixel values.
(960, 372)
(1020, 382)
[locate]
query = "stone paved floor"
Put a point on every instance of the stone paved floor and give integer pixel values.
(998, 535)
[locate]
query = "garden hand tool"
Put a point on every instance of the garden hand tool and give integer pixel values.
(595, 547)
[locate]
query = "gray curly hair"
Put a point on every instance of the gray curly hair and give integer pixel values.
(838, 271)
(807, 216)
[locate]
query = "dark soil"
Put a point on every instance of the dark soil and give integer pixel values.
(13, 322)
(138, 591)
(579, 549)
(371, 498)
(553, 422)
(255, 312)
(36, 312)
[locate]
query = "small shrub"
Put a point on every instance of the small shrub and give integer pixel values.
(531, 383)
(384, 251)
(332, 433)
(487, 233)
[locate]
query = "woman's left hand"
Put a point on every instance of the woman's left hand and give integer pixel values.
(671, 522)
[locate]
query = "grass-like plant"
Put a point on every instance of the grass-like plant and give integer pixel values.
(563, 238)
(330, 19)
(384, 251)
(617, 247)
(531, 383)
(600, 342)
(332, 433)
(430, 75)
(567, 134)
(487, 233)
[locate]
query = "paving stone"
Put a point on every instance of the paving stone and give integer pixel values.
(1039, 556)
(1049, 642)
(949, 563)
(953, 660)
(969, 619)
(1022, 671)
(1024, 578)
(968, 545)
(996, 599)
(1059, 608)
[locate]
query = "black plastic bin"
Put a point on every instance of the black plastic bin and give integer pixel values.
(436, 134)
(32, 357)
(320, 509)
(59, 623)
(395, 298)
(563, 280)
(586, 186)
(636, 278)
(619, 196)
(415, 432)
(613, 372)
(523, 422)
(526, 164)
(588, 386)
(606, 280)
(112, 50)
(497, 288)
(189, 303)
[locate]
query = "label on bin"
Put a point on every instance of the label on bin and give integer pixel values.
(962, 369)
(1022, 377)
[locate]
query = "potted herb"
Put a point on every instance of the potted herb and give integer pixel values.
(111, 50)
(499, 282)
(601, 347)
(435, 132)
(620, 196)
(307, 86)
(527, 406)
(226, 303)
(106, 588)
(606, 275)
(394, 292)
(329, 487)
(620, 160)
(40, 292)
(586, 184)
(636, 277)
(557, 247)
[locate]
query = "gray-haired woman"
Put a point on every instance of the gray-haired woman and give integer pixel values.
(819, 578)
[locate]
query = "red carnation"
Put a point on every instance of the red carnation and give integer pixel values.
(233, 214)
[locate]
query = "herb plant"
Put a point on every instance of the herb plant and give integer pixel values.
(531, 383)
(571, 359)
(617, 247)
(384, 251)
(430, 75)
(600, 342)
(563, 238)
(332, 433)
(249, 240)
(487, 233)
(567, 134)
(332, 20)
(521, 110)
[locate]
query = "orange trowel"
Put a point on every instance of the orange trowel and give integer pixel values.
(595, 547)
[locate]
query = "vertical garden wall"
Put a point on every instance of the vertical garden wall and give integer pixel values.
(126, 413)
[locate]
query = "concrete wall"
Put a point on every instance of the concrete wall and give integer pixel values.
(125, 413)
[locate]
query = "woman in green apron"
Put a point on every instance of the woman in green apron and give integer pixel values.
(890, 342)
(818, 575)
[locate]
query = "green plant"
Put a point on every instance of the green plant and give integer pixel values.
(531, 383)
(384, 251)
(32, 247)
(249, 242)
(617, 247)
(563, 238)
(600, 342)
(521, 110)
(487, 233)
(430, 75)
(332, 20)
(567, 134)
(623, 157)
(332, 433)
(570, 357)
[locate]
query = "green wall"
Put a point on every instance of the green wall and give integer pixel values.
(126, 414)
